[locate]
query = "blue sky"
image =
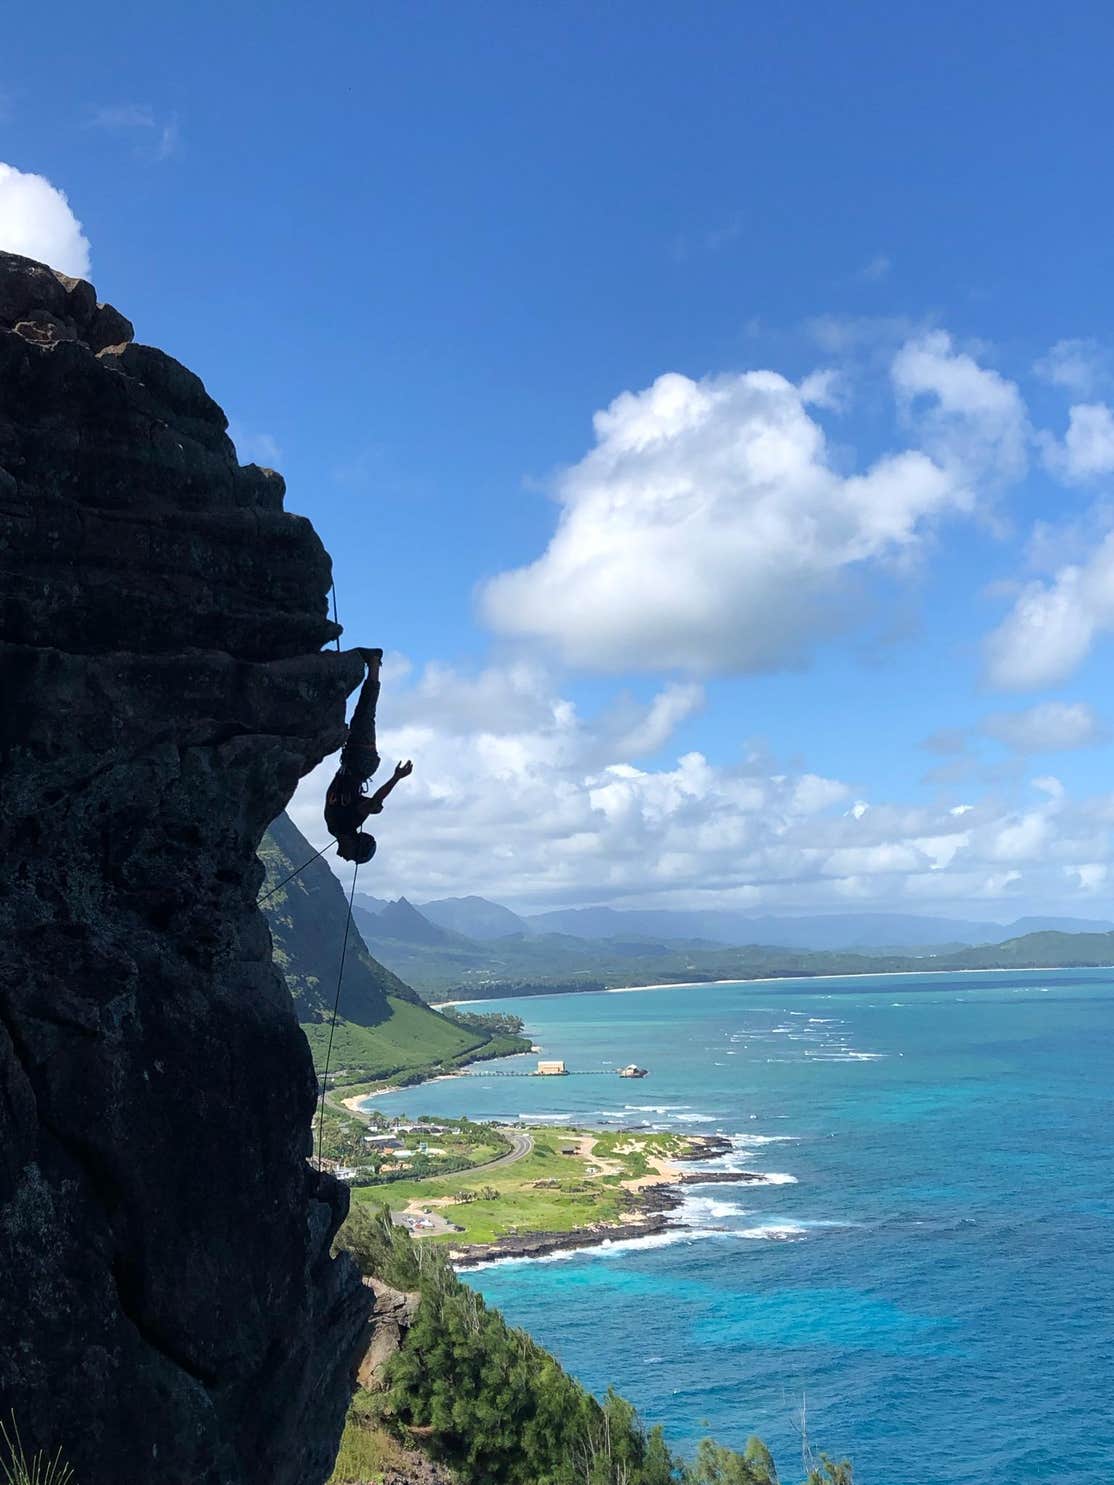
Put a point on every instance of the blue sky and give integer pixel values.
(845, 270)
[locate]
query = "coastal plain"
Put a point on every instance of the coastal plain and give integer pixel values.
(571, 1186)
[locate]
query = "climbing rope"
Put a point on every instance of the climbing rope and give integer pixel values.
(336, 1008)
(297, 873)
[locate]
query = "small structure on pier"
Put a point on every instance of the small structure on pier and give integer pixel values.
(551, 1070)
(632, 1070)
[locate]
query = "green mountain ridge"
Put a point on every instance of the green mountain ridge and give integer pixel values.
(306, 917)
(384, 1029)
(1049, 949)
(536, 963)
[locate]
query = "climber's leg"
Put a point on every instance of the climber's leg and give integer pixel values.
(358, 756)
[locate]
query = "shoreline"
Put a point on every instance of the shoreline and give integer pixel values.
(856, 974)
(880, 974)
(654, 1200)
(354, 1100)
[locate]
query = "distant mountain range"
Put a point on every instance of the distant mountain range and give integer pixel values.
(431, 947)
(477, 918)
(862, 931)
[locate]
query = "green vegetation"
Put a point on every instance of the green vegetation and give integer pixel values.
(380, 1153)
(499, 1023)
(563, 965)
(384, 1031)
(410, 1038)
(1046, 950)
(448, 966)
(538, 984)
(367, 1450)
(570, 1179)
(488, 1401)
(40, 1469)
(306, 917)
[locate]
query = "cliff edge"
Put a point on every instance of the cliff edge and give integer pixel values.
(169, 1308)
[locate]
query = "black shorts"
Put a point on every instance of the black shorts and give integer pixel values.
(344, 804)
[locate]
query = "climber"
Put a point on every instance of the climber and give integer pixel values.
(346, 807)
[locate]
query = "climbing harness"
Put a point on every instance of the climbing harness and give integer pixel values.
(336, 1008)
(259, 901)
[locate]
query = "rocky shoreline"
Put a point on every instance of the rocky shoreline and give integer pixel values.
(654, 1206)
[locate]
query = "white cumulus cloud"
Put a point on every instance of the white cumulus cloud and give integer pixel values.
(708, 530)
(518, 797)
(36, 220)
(972, 419)
(1054, 623)
(1087, 450)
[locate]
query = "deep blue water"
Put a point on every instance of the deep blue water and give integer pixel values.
(937, 1279)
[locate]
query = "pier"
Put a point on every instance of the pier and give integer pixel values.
(601, 1072)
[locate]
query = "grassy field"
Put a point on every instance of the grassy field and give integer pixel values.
(412, 1037)
(585, 1175)
(367, 1451)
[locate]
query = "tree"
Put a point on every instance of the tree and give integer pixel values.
(829, 1472)
(489, 1402)
(717, 1465)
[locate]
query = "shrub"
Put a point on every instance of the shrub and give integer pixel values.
(40, 1469)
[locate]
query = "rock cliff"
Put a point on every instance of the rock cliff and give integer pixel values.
(394, 1314)
(168, 1306)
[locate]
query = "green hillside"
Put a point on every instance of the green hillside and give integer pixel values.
(384, 1029)
(1046, 950)
(412, 1039)
(458, 968)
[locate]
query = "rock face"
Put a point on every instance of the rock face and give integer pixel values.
(168, 1306)
(394, 1314)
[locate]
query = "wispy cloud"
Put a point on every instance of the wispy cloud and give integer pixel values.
(878, 268)
(1081, 366)
(1051, 726)
(255, 448)
(847, 334)
(721, 237)
(158, 137)
(697, 242)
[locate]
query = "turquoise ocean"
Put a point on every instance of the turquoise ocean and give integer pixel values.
(929, 1263)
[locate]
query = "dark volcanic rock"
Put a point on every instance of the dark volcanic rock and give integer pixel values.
(169, 1311)
(538, 1244)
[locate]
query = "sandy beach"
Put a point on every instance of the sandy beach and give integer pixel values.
(870, 974)
(880, 974)
(356, 1099)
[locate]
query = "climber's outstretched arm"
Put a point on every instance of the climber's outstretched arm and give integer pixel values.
(402, 771)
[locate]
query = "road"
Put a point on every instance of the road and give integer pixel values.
(521, 1145)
